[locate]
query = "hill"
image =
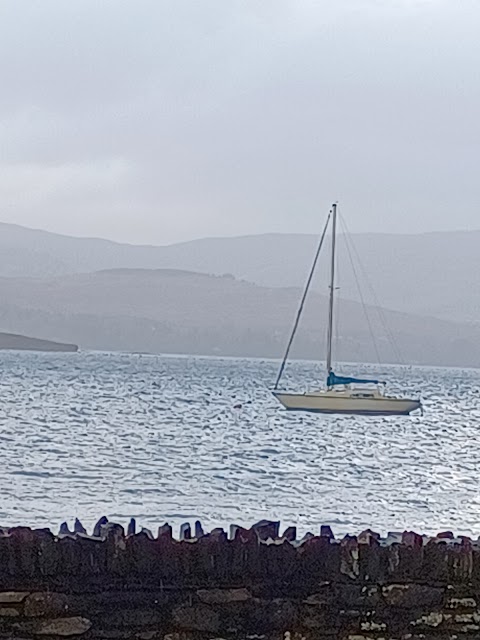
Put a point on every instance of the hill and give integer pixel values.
(24, 343)
(432, 274)
(176, 311)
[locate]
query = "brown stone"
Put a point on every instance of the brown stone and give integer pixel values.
(185, 531)
(325, 596)
(313, 617)
(63, 627)
(97, 529)
(46, 604)
(290, 534)
(412, 595)
(461, 603)
(430, 620)
(9, 612)
(112, 634)
(349, 557)
(25, 550)
(319, 619)
(165, 531)
(47, 553)
(223, 596)
(199, 532)
(265, 616)
(326, 532)
(254, 585)
(13, 597)
(198, 618)
(368, 537)
(436, 562)
(412, 539)
(266, 529)
(353, 596)
(136, 618)
(462, 565)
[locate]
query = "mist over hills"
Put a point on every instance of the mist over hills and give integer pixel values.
(434, 274)
(173, 311)
(238, 296)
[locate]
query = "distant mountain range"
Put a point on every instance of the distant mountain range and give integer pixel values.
(175, 311)
(238, 296)
(433, 274)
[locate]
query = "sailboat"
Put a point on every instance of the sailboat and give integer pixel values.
(345, 395)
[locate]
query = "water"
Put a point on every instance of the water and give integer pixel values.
(160, 439)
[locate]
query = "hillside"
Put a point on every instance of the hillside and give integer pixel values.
(432, 274)
(24, 343)
(182, 312)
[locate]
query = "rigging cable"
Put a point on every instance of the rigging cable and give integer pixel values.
(336, 333)
(364, 306)
(302, 304)
(381, 314)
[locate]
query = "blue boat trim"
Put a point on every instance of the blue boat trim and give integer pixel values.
(333, 380)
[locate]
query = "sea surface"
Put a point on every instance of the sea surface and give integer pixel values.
(164, 439)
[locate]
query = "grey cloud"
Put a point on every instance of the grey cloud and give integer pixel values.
(159, 121)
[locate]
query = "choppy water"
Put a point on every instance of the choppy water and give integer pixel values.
(159, 439)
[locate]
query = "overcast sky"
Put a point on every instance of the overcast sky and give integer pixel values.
(165, 120)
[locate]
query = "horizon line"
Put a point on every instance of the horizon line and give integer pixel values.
(264, 234)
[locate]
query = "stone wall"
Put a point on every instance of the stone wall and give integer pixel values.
(250, 584)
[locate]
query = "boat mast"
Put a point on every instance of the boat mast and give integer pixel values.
(332, 291)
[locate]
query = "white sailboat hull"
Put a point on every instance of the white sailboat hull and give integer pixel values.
(346, 402)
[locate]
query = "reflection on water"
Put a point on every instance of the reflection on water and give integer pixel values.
(160, 439)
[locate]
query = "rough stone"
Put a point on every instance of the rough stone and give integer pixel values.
(325, 596)
(266, 529)
(9, 612)
(326, 532)
(412, 595)
(370, 625)
(254, 586)
(13, 597)
(199, 532)
(319, 619)
(349, 559)
(223, 596)
(197, 618)
(185, 531)
(130, 618)
(356, 595)
(132, 527)
(46, 605)
(165, 531)
(78, 527)
(466, 618)
(112, 634)
(433, 619)
(65, 530)
(290, 534)
(63, 627)
(268, 615)
(461, 603)
(97, 529)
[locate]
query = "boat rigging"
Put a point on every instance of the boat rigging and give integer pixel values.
(343, 394)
